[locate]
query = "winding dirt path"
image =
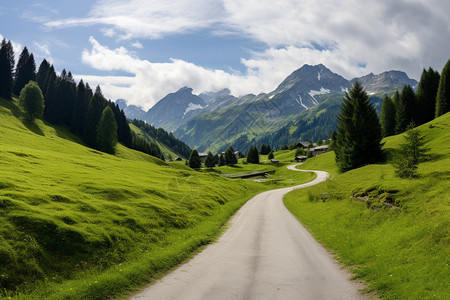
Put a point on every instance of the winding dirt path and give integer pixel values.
(265, 254)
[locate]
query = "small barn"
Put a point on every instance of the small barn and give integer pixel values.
(203, 156)
(303, 145)
(319, 150)
(300, 158)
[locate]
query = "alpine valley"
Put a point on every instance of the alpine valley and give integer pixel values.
(303, 107)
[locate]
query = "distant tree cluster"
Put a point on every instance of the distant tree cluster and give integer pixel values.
(211, 160)
(99, 122)
(430, 101)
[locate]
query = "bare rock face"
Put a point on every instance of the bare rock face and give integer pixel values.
(385, 82)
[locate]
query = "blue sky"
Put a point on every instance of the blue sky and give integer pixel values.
(141, 50)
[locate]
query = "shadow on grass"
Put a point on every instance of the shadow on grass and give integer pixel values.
(31, 126)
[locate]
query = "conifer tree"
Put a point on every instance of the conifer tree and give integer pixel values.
(42, 74)
(6, 71)
(194, 160)
(80, 108)
(107, 131)
(95, 110)
(252, 155)
(271, 156)
(210, 161)
(358, 138)
(10, 55)
(405, 109)
(230, 158)
(32, 101)
(221, 160)
(410, 153)
(25, 71)
(443, 93)
(49, 96)
(387, 117)
(426, 96)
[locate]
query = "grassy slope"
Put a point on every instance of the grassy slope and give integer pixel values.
(403, 253)
(80, 224)
(167, 152)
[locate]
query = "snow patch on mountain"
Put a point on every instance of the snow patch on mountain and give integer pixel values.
(192, 106)
(300, 101)
(313, 93)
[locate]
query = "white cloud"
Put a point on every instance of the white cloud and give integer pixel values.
(149, 18)
(137, 45)
(149, 81)
(352, 38)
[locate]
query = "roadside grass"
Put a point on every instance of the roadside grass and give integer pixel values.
(400, 245)
(80, 224)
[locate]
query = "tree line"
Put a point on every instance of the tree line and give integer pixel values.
(357, 139)
(87, 113)
(430, 101)
(164, 137)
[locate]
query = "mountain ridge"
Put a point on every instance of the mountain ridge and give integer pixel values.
(225, 118)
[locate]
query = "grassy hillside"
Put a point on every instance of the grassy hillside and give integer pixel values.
(80, 224)
(394, 232)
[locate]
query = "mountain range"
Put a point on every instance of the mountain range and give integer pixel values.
(304, 106)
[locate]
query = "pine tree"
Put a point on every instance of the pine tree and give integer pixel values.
(107, 131)
(252, 155)
(32, 101)
(194, 160)
(230, 158)
(426, 96)
(6, 78)
(26, 71)
(270, 156)
(358, 138)
(411, 153)
(221, 160)
(387, 117)
(49, 96)
(210, 161)
(42, 74)
(405, 109)
(96, 107)
(443, 94)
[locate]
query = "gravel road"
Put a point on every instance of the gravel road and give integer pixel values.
(265, 254)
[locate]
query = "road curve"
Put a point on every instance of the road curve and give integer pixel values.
(265, 254)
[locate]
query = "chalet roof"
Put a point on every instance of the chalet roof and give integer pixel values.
(202, 154)
(274, 160)
(303, 144)
(324, 147)
(301, 157)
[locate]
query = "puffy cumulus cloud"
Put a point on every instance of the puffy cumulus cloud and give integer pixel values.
(149, 82)
(381, 34)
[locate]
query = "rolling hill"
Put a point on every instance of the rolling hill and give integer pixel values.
(75, 220)
(393, 232)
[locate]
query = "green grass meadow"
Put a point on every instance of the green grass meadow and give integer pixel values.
(394, 233)
(80, 224)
